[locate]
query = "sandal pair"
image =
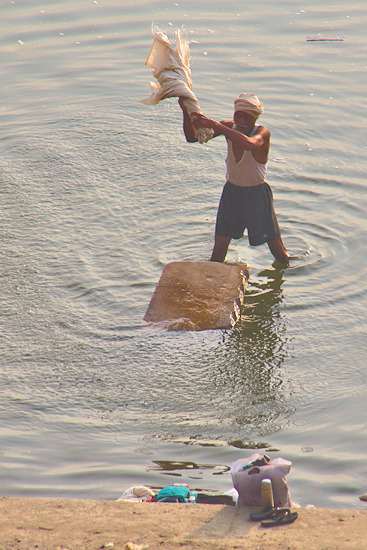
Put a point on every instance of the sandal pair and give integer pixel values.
(274, 516)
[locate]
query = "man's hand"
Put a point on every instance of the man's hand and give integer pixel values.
(201, 121)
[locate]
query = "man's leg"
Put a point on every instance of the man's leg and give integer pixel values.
(221, 245)
(278, 250)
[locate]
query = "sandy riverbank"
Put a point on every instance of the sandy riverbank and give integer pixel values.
(57, 524)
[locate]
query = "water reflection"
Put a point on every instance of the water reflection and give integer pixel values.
(175, 467)
(254, 352)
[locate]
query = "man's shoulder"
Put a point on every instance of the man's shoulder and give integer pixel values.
(262, 129)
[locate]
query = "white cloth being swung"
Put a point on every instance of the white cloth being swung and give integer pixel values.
(171, 68)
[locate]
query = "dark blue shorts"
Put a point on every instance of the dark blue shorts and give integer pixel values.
(248, 208)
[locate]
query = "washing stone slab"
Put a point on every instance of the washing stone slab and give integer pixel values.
(198, 296)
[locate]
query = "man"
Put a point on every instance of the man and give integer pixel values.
(247, 200)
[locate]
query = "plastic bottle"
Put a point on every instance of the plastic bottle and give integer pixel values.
(267, 498)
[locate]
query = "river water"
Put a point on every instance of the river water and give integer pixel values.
(99, 192)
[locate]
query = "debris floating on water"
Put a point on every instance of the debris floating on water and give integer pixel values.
(324, 37)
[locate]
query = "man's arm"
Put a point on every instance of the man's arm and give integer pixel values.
(260, 138)
(188, 127)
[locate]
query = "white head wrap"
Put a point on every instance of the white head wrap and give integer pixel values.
(249, 103)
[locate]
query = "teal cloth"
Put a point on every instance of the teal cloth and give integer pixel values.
(173, 492)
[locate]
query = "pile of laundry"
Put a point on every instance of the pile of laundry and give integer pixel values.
(258, 480)
(171, 493)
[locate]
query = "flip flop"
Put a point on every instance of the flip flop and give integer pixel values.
(264, 514)
(283, 516)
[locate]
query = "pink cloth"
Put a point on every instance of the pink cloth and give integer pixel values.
(248, 484)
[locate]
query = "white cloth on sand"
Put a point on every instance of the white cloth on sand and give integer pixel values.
(138, 493)
(171, 68)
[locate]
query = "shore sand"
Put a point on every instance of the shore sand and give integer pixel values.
(60, 524)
